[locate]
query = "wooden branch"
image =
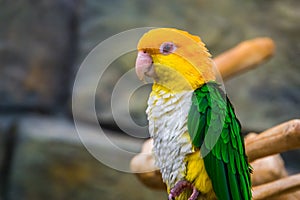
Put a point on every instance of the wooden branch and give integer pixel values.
(244, 56)
(145, 169)
(289, 196)
(283, 137)
(268, 169)
(282, 186)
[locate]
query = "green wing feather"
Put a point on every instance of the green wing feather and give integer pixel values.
(214, 128)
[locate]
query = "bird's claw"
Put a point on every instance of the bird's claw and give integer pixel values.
(179, 187)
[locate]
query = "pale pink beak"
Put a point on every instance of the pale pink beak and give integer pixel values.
(144, 65)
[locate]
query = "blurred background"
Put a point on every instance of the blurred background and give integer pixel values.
(43, 43)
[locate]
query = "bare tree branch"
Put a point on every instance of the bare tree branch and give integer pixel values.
(244, 56)
(282, 186)
(278, 139)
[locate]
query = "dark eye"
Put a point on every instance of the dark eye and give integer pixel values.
(167, 48)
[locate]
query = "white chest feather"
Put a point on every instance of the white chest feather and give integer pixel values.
(167, 115)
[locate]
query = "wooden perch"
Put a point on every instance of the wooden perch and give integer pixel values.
(268, 169)
(145, 169)
(284, 137)
(282, 186)
(244, 56)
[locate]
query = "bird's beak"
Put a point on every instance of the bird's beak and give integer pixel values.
(144, 65)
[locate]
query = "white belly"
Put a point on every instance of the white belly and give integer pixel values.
(167, 115)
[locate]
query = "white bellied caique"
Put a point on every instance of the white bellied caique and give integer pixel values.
(197, 141)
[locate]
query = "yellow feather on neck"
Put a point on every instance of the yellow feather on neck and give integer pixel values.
(176, 74)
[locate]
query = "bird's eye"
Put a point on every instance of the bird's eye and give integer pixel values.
(167, 48)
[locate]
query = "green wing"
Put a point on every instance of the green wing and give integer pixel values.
(214, 128)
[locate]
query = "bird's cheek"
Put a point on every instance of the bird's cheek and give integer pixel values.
(144, 65)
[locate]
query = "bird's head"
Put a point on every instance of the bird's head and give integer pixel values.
(175, 59)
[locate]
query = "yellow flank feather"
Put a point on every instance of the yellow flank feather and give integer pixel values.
(197, 175)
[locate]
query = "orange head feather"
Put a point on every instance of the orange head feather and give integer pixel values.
(174, 58)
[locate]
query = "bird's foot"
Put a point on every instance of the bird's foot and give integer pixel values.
(179, 187)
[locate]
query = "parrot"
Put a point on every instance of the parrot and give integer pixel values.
(197, 140)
